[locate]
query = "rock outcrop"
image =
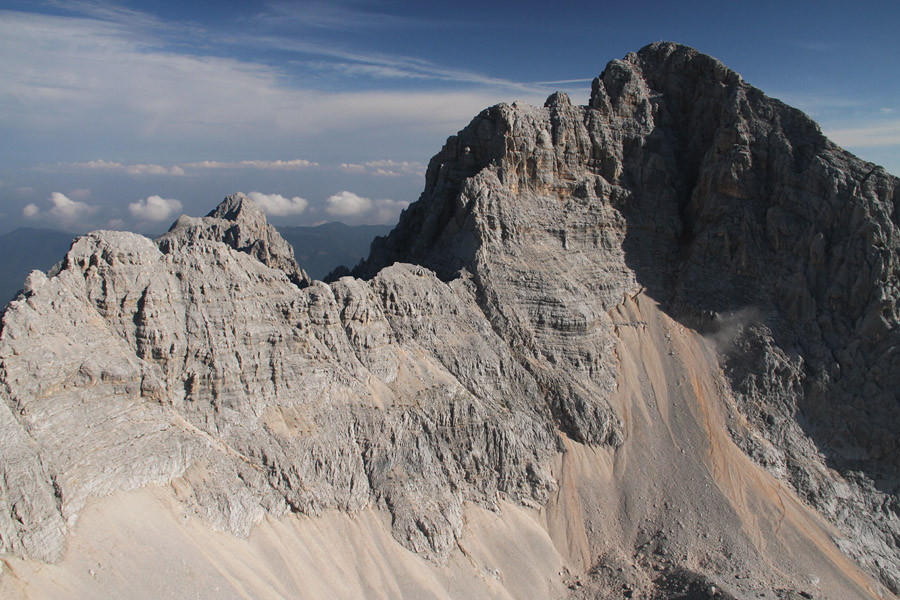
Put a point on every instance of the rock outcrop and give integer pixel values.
(737, 215)
(238, 222)
(599, 312)
(191, 360)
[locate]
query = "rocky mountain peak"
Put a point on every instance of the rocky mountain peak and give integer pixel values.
(729, 208)
(239, 208)
(557, 99)
(240, 223)
(662, 326)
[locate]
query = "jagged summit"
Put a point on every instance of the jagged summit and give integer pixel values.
(643, 347)
(241, 224)
(238, 207)
(667, 101)
(728, 207)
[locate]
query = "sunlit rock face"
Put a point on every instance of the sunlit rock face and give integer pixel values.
(738, 216)
(665, 323)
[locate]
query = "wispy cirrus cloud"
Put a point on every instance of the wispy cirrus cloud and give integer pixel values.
(336, 16)
(859, 124)
(96, 85)
(883, 134)
(350, 61)
(324, 54)
(136, 20)
(98, 79)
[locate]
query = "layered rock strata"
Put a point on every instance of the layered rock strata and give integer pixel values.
(525, 334)
(735, 213)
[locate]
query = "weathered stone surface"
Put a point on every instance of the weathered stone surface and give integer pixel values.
(241, 224)
(490, 333)
(133, 365)
(738, 215)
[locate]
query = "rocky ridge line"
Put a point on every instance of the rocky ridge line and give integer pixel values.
(210, 362)
(739, 216)
(201, 364)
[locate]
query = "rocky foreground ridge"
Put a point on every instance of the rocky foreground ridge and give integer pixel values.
(666, 322)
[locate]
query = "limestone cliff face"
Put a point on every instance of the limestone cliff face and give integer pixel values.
(731, 209)
(509, 320)
(145, 362)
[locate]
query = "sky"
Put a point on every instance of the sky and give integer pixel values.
(126, 114)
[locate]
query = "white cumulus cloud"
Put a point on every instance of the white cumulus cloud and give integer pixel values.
(296, 163)
(347, 204)
(277, 205)
(155, 208)
(353, 168)
(137, 169)
(67, 209)
(153, 170)
(386, 168)
(97, 164)
(358, 208)
(64, 210)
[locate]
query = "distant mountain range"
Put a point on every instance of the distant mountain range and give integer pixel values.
(318, 250)
(321, 248)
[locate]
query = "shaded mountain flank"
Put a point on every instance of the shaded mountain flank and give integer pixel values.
(644, 348)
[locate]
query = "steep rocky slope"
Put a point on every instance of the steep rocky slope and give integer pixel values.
(734, 212)
(647, 347)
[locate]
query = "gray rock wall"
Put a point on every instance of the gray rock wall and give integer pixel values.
(209, 359)
(732, 210)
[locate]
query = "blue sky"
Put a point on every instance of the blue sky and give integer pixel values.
(126, 114)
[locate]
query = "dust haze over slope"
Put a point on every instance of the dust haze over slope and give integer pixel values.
(535, 380)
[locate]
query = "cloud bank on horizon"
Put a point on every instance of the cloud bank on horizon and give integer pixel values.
(124, 114)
